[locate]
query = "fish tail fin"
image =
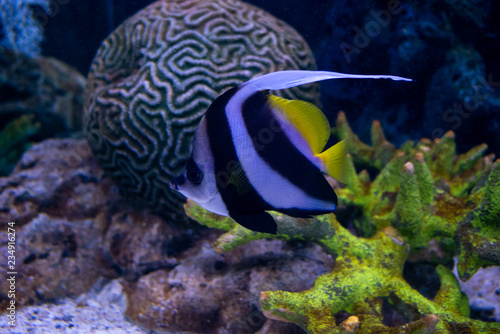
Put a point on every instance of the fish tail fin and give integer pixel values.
(335, 161)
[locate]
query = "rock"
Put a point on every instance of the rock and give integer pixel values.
(463, 97)
(211, 292)
(175, 281)
(97, 311)
(43, 86)
(54, 258)
(58, 177)
(483, 290)
(59, 209)
(137, 243)
(154, 77)
(39, 98)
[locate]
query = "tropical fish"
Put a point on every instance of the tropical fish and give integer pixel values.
(254, 152)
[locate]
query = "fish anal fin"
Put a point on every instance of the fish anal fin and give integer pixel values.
(335, 161)
(259, 222)
(306, 118)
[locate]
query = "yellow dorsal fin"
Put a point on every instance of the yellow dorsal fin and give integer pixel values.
(335, 161)
(306, 118)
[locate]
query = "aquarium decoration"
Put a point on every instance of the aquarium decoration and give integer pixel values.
(423, 192)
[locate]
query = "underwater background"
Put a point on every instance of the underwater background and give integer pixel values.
(101, 244)
(449, 48)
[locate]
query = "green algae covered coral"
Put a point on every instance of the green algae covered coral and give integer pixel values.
(423, 192)
(428, 192)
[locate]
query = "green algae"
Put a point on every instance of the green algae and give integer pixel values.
(366, 271)
(424, 193)
(15, 140)
(427, 191)
(479, 239)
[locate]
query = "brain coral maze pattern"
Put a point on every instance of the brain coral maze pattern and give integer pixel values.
(155, 75)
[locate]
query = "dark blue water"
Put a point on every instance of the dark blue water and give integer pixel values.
(449, 48)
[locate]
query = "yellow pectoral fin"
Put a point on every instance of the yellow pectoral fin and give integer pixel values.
(306, 118)
(335, 161)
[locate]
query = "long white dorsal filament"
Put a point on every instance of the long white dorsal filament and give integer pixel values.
(287, 79)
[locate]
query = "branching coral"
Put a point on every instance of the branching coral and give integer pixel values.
(428, 192)
(21, 32)
(423, 192)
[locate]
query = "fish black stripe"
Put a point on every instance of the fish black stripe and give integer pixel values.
(225, 160)
(274, 147)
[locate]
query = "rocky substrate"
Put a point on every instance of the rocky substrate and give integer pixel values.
(483, 290)
(73, 231)
(93, 312)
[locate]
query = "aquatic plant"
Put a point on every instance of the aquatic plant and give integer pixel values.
(21, 32)
(154, 77)
(422, 192)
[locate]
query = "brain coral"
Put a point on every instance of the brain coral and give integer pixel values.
(155, 75)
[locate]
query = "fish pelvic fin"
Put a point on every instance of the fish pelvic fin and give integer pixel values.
(335, 161)
(308, 119)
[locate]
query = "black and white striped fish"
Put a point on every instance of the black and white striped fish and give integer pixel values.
(254, 152)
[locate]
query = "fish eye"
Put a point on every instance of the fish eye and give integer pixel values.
(194, 175)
